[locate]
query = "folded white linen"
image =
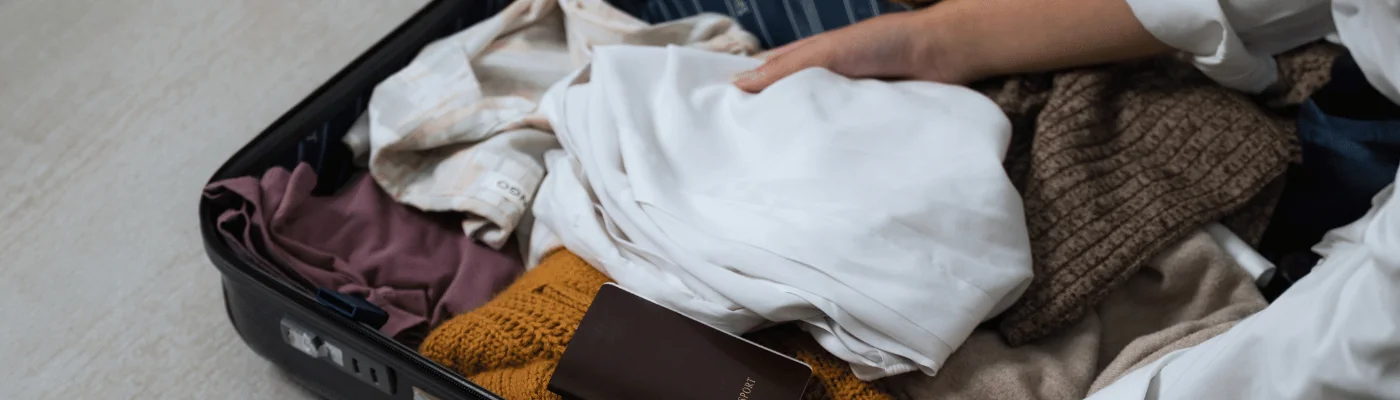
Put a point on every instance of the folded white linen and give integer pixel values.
(878, 214)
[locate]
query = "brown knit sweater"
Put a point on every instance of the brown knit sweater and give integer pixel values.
(1116, 162)
(512, 344)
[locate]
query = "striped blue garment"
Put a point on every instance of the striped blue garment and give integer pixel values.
(774, 22)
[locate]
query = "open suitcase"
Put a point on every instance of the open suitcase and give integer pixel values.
(320, 344)
(328, 344)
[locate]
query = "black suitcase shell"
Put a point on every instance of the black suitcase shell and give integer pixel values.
(265, 310)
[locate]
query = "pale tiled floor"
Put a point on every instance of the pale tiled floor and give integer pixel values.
(113, 113)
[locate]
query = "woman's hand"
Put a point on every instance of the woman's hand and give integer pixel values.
(959, 41)
(893, 46)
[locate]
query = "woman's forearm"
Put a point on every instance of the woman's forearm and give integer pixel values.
(960, 41)
(1000, 37)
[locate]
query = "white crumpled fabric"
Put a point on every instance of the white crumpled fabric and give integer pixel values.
(455, 129)
(878, 214)
(1234, 41)
(1334, 335)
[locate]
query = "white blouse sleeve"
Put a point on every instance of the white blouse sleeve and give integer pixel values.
(1330, 336)
(1371, 30)
(1234, 40)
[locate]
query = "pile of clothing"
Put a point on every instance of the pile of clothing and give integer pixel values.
(1039, 236)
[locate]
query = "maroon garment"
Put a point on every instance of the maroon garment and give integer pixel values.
(361, 242)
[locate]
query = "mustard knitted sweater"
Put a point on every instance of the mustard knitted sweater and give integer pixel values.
(512, 344)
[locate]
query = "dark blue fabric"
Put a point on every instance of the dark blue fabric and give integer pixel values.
(1346, 161)
(323, 150)
(774, 22)
(1350, 95)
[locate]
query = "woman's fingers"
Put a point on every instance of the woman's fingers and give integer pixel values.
(767, 55)
(860, 50)
(785, 61)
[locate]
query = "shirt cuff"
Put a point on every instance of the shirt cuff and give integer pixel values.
(1199, 27)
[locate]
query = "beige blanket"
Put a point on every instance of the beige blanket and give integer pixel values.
(1187, 294)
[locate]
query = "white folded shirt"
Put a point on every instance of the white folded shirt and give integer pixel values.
(876, 213)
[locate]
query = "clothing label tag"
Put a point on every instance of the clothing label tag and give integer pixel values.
(508, 188)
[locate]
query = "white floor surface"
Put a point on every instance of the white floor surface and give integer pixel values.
(113, 113)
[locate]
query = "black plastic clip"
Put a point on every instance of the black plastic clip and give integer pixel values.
(353, 307)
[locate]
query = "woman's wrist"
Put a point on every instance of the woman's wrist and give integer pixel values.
(974, 39)
(943, 44)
